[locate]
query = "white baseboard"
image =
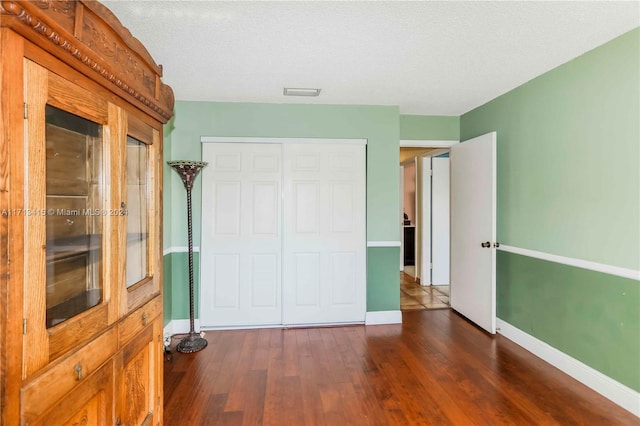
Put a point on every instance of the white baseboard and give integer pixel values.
(181, 326)
(372, 318)
(622, 395)
(383, 317)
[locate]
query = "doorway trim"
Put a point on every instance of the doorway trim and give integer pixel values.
(423, 143)
(426, 143)
(426, 216)
(283, 141)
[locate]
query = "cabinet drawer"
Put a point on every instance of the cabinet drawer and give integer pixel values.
(64, 375)
(138, 319)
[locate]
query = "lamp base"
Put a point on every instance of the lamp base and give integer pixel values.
(192, 343)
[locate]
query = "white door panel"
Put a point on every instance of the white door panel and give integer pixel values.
(283, 253)
(473, 222)
(241, 247)
(325, 245)
(440, 221)
(425, 258)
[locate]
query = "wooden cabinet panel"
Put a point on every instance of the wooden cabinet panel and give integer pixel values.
(138, 390)
(136, 379)
(137, 320)
(62, 377)
(142, 192)
(90, 403)
(80, 285)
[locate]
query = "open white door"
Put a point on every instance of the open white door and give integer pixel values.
(473, 230)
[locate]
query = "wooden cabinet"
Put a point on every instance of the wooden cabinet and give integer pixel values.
(81, 115)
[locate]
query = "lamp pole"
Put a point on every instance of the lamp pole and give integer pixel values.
(188, 171)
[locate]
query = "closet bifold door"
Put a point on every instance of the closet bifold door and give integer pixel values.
(70, 209)
(241, 247)
(140, 222)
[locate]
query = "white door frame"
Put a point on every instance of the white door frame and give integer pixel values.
(425, 231)
(401, 180)
(408, 162)
(274, 140)
(444, 146)
(440, 226)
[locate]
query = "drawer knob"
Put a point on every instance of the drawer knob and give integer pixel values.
(78, 370)
(144, 319)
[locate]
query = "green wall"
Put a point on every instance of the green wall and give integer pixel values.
(167, 207)
(179, 276)
(568, 157)
(434, 127)
(167, 183)
(167, 271)
(569, 184)
(380, 125)
(383, 266)
(592, 316)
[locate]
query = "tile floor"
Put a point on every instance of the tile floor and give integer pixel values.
(414, 297)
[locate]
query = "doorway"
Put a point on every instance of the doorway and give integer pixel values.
(408, 211)
(424, 280)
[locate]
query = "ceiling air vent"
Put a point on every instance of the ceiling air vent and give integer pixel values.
(295, 91)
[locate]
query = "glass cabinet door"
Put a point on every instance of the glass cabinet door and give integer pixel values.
(137, 212)
(70, 275)
(142, 217)
(74, 215)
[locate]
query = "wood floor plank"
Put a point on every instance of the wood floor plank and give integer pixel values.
(293, 408)
(310, 379)
(290, 353)
(435, 368)
(274, 403)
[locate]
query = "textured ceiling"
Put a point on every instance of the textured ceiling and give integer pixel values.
(427, 57)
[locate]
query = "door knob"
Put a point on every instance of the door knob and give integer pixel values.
(486, 244)
(496, 245)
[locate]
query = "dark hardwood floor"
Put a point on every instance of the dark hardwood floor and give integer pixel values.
(435, 368)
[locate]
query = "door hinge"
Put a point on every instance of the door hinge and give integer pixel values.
(431, 172)
(24, 326)
(26, 111)
(430, 265)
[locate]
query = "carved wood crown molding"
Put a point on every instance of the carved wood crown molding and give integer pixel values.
(90, 54)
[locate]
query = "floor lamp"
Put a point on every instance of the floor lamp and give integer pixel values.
(188, 171)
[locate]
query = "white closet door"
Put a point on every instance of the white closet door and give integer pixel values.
(241, 247)
(324, 236)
